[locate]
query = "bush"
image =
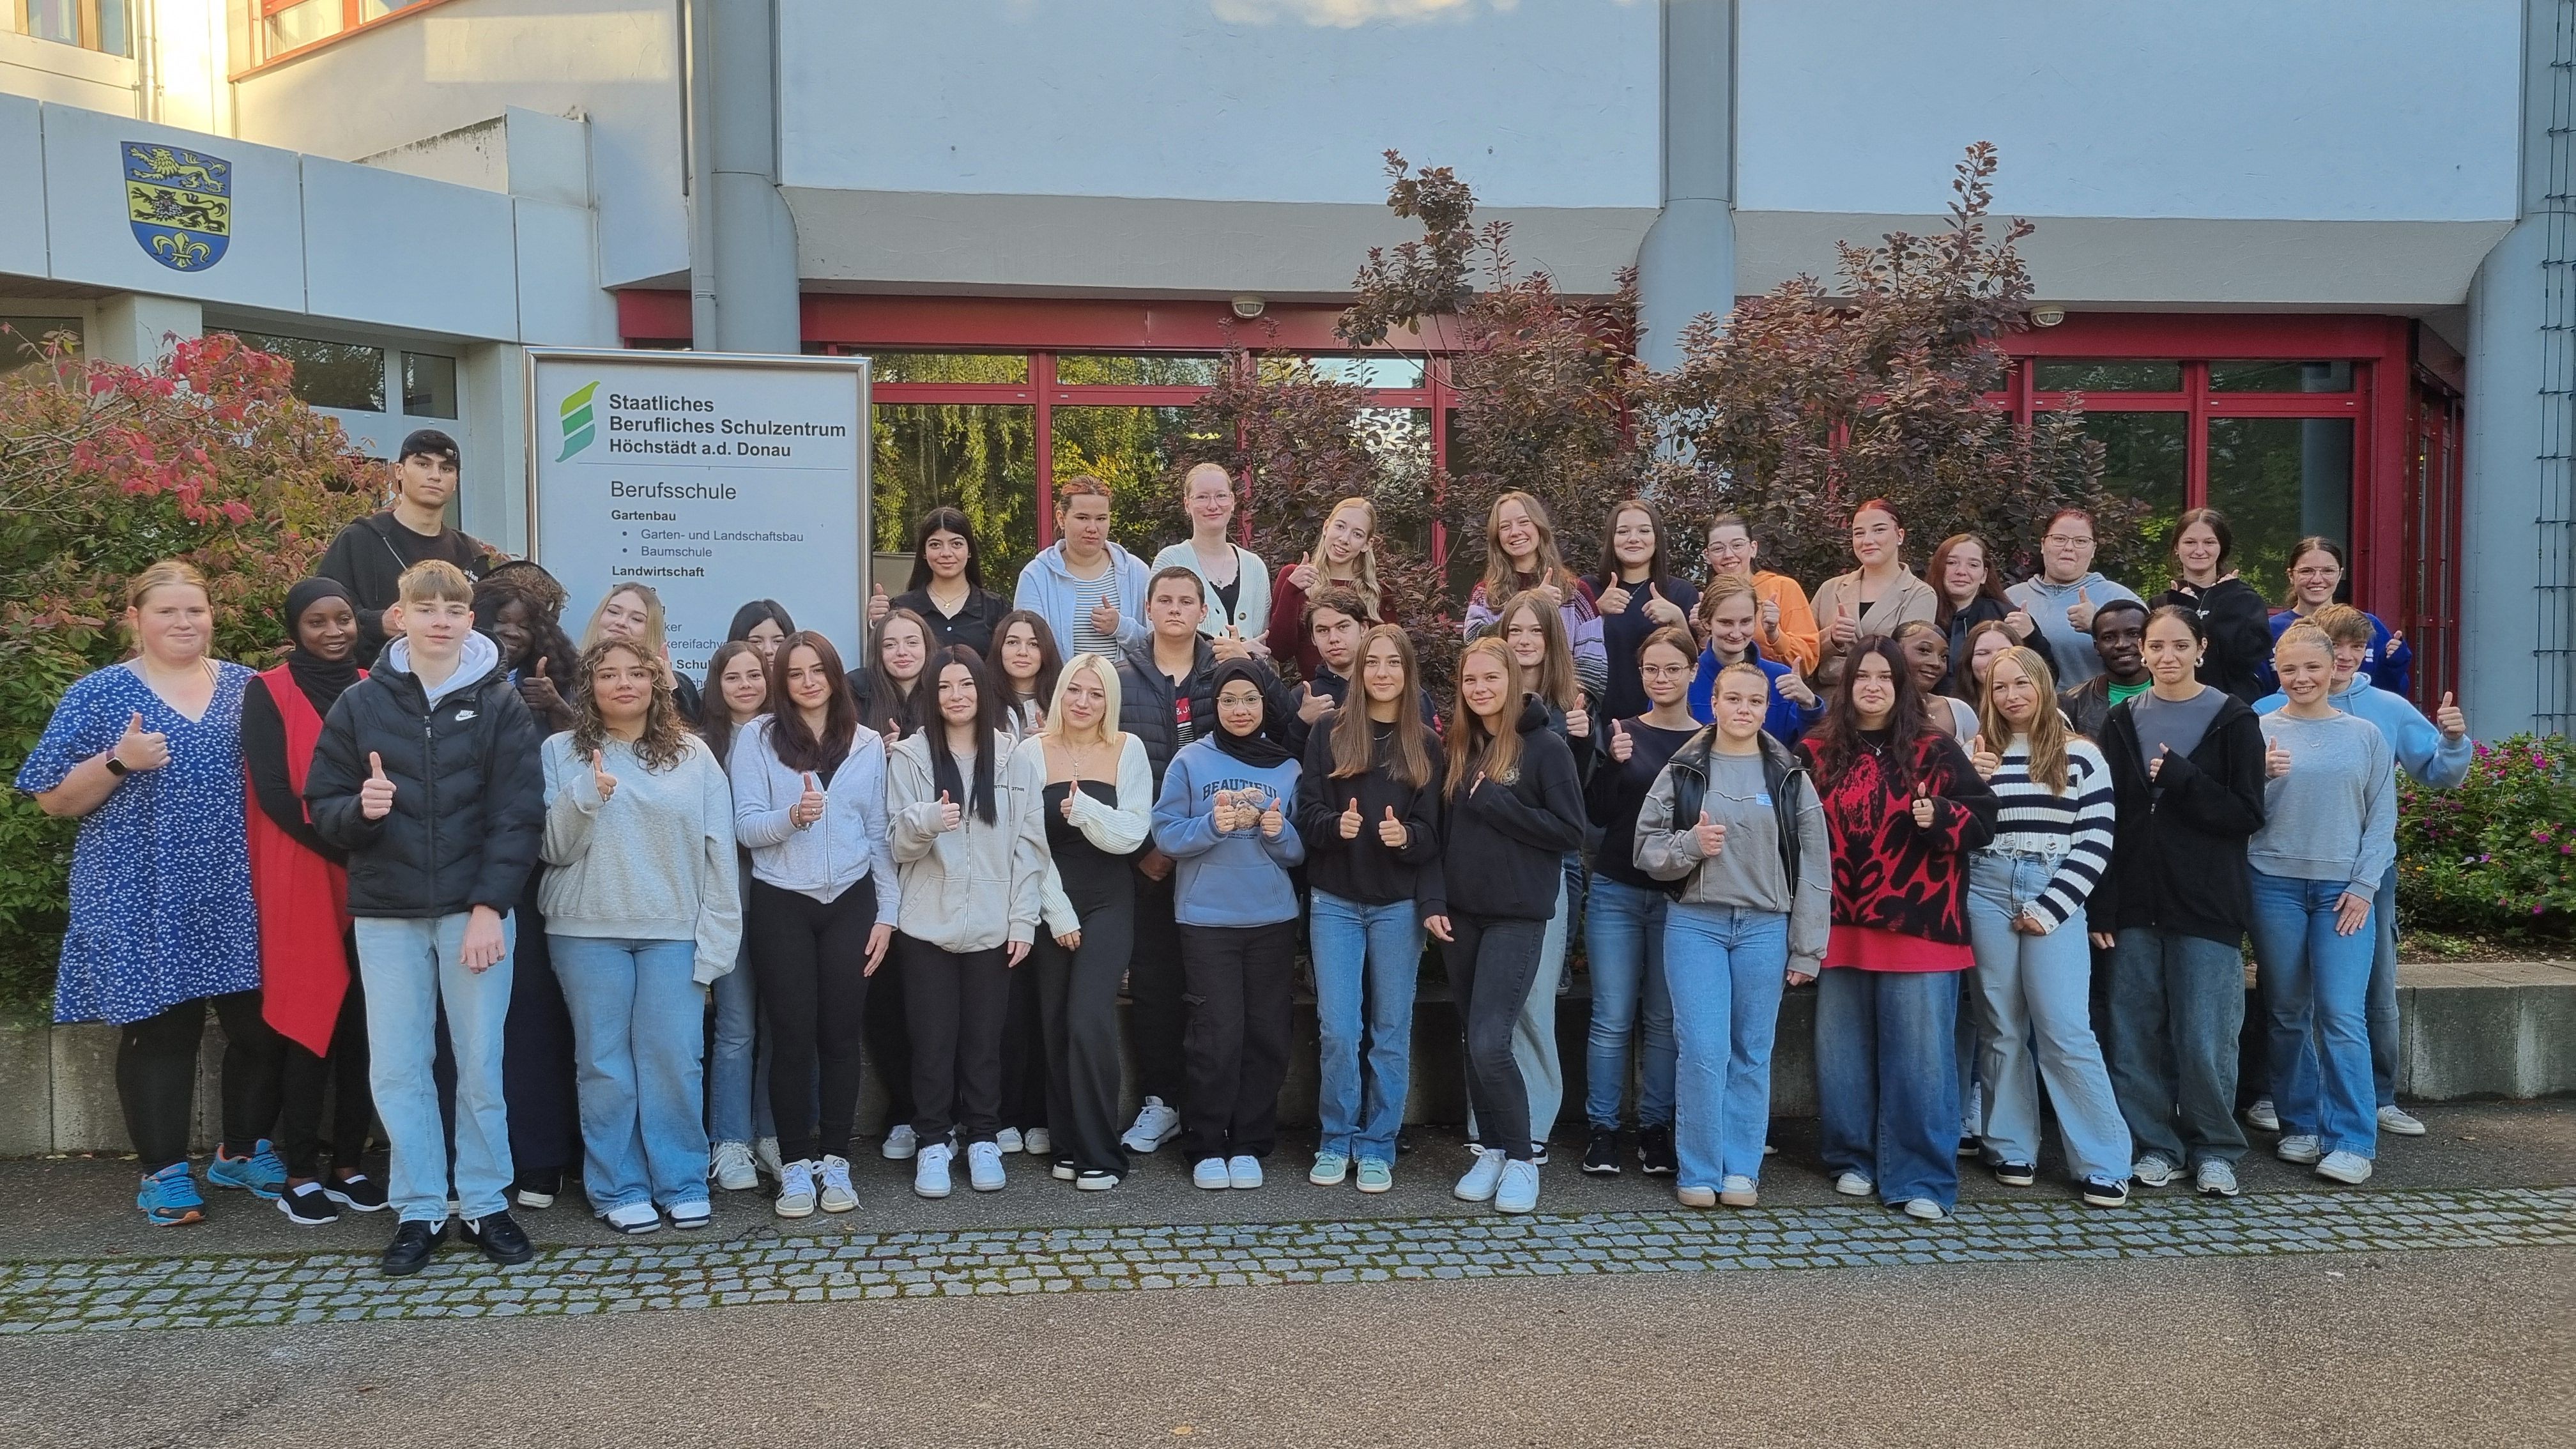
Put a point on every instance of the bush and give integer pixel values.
(104, 468)
(2496, 857)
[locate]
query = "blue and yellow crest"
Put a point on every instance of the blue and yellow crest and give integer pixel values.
(181, 204)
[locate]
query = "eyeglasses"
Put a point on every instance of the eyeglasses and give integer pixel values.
(2082, 538)
(1665, 671)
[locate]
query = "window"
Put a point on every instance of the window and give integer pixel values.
(268, 30)
(22, 338)
(2109, 376)
(341, 375)
(100, 25)
(429, 385)
(379, 390)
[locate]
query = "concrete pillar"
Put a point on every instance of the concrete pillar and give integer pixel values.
(742, 267)
(492, 497)
(1686, 265)
(142, 330)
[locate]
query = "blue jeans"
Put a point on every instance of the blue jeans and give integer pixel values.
(1727, 967)
(1887, 1079)
(1366, 958)
(1623, 932)
(738, 1065)
(2177, 1003)
(637, 1031)
(410, 967)
(2316, 990)
(2031, 1002)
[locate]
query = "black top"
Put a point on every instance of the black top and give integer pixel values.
(1362, 869)
(2239, 625)
(1093, 878)
(1618, 791)
(370, 555)
(2178, 850)
(1962, 684)
(263, 745)
(972, 624)
(1504, 842)
(1624, 633)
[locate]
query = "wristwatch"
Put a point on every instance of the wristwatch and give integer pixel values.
(117, 767)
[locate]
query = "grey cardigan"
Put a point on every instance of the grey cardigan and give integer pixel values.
(977, 886)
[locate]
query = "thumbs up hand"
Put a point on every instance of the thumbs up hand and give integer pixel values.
(2079, 615)
(1104, 617)
(950, 816)
(1621, 746)
(1230, 644)
(1578, 720)
(808, 807)
(1224, 813)
(2156, 765)
(1793, 688)
(1350, 820)
(1984, 758)
(1613, 600)
(1391, 832)
(1708, 837)
(1273, 819)
(538, 692)
(2276, 759)
(139, 748)
(1923, 806)
(878, 605)
(1845, 628)
(605, 782)
(376, 796)
(1312, 706)
(2455, 725)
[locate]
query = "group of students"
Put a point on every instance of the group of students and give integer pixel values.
(543, 907)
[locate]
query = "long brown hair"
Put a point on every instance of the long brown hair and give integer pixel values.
(715, 717)
(1472, 747)
(1500, 578)
(795, 745)
(1658, 564)
(1554, 681)
(2047, 730)
(665, 740)
(1836, 738)
(1992, 588)
(1408, 746)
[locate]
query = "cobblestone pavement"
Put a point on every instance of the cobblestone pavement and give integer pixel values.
(88, 1296)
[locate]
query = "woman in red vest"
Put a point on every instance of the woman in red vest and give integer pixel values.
(308, 986)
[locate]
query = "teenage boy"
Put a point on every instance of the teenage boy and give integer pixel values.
(2119, 629)
(427, 774)
(1090, 591)
(371, 555)
(1335, 622)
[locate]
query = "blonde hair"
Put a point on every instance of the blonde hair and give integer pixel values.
(2343, 624)
(2047, 730)
(1498, 752)
(1363, 580)
(1554, 680)
(169, 573)
(2305, 631)
(653, 639)
(435, 580)
(1057, 730)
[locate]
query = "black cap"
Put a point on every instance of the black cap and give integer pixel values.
(432, 442)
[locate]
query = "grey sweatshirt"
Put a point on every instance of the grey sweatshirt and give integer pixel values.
(836, 852)
(2046, 603)
(2333, 817)
(1746, 872)
(977, 886)
(653, 862)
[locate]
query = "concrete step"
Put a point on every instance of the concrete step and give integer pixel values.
(2473, 1030)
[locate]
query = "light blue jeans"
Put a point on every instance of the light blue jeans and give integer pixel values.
(1623, 933)
(411, 966)
(1887, 1083)
(738, 1064)
(638, 1034)
(1366, 960)
(2032, 1006)
(2317, 993)
(1727, 967)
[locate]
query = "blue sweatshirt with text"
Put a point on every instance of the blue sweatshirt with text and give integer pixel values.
(1240, 877)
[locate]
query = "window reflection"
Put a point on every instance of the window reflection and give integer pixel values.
(2279, 480)
(980, 459)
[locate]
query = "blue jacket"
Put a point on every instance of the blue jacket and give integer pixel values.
(2388, 665)
(2421, 751)
(1787, 720)
(1239, 878)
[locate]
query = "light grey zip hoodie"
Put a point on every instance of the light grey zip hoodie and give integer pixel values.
(977, 886)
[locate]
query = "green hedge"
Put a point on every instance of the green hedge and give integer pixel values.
(2496, 857)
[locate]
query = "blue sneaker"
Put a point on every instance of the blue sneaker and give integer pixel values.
(261, 1174)
(169, 1197)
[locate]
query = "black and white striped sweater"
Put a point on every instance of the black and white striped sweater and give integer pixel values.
(2075, 823)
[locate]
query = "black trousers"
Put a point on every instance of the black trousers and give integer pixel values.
(811, 958)
(1078, 1002)
(341, 1076)
(956, 1002)
(1154, 988)
(1239, 982)
(1024, 1050)
(1491, 965)
(889, 1037)
(536, 1058)
(156, 1076)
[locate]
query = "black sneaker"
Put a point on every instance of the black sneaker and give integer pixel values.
(357, 1192)
(500, 1237)
(307, 1206)
(1601, 1154)
(2016, 1174)
(1655, 1150)
(413, 1246)
(1971, 1146)
(2103, 1192)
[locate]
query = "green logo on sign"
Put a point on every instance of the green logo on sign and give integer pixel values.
(577, 429)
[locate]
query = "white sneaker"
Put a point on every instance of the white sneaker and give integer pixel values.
(795, 1190)
(984, 1166)
(1006, 1140)
(696, 1212)
(1695, 1197)
(2302, 1148)
(1738, 1191)
(838, 1195)
(2400, 1121)
(930, 1170)
(1516, 1191)
(634, 1219)
(1156, 1124)
(733, 1167)
(1243, 1172)
(2216, 1178)
(1038, 1142)
(900, 1143)
(2263, 1116)
(1211, 1174)
(2349, 1167)
(1481, 1180)
(764, 1154)
(1924, 1209)
(1853, 1184)
(2153, 1170)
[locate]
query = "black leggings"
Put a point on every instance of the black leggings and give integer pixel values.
(957, 1002)
(1024, 1050)
(156, 1077)
(1154, 987)
(811, 960)
(1491, 965)
(343, 1074)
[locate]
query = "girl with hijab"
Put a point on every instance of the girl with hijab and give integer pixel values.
(309, 989)
(1224, 816)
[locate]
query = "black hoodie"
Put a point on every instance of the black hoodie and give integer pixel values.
(1362, 869)
(2178, 850)
(1504, 842)
(2238, 625)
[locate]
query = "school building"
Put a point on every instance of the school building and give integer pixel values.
(2312, 261)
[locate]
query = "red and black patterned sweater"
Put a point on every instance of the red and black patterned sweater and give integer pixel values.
(1889, 873)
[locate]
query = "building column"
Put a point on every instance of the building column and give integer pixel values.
(742, 265)
(1686, 265)
(142, 330)
(492, 405)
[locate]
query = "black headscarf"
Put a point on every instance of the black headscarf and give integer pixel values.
(322, 680)
(1262, 748)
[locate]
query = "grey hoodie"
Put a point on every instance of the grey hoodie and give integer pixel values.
(2047, 603)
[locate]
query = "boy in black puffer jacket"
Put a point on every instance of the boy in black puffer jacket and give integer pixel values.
(427, 774)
